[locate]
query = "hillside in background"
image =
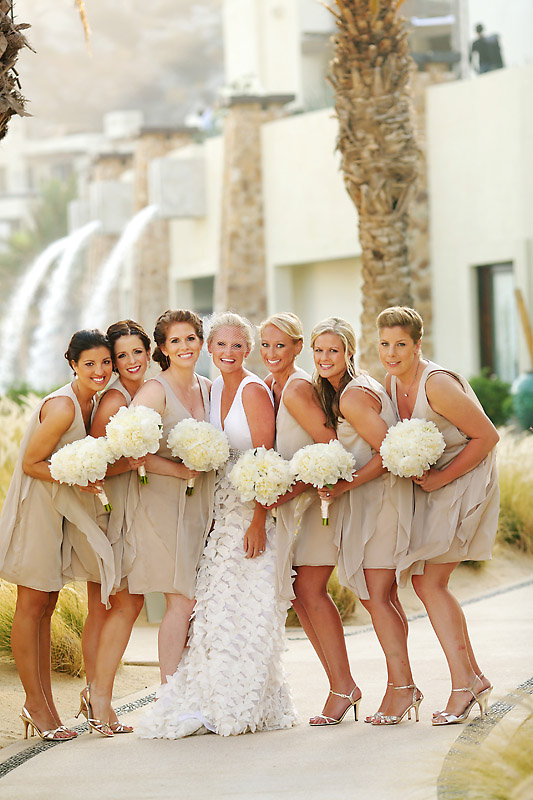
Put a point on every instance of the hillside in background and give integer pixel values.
(163, 56)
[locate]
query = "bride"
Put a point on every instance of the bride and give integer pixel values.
(230, 679)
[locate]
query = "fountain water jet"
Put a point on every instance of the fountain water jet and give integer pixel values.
(101, 294)
(12, 329)
(44, 362)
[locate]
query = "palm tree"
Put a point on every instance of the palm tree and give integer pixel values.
(370, 76)
(12, 40)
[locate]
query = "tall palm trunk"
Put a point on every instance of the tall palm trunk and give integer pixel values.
(11, 41)
(370, 75)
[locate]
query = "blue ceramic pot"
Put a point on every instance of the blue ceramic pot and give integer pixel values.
(522, 395)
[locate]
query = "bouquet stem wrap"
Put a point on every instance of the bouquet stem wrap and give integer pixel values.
(324, 510)
(105, 501)
(141, 472)
(190, 487)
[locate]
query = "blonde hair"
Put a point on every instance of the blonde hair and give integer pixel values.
(286, 322)
(330, 397)
(231, 320)
(403, 317)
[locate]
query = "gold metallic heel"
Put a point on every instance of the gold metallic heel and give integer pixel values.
(332, 720)
(481, 699)
(103, 728)
(377, 714)
(48, 736)
(393, 719)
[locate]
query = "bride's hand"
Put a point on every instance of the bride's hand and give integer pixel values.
(255, 540)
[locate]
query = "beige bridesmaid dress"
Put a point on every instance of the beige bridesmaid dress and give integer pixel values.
(34, 551)
(165, 529)
(457, 522)
(374, 527)
(302, 539)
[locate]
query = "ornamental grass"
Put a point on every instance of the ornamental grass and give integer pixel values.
(515, 468)
(499, 768)
(14, 418)
(67, 626)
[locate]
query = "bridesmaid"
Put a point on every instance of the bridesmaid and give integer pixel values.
(300, 421)
(456, 501)
(377, 511)
(106, 632)
(165, 528)
(32, 521)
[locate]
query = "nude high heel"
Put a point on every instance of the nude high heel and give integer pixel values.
(332, 720)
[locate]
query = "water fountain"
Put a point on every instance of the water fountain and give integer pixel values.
(96, 313)
(12, 329)
(44, 363)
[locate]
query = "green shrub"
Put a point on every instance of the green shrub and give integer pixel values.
(494, 395)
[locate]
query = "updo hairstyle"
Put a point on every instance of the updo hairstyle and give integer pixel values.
(231, 320)
(403, 317)
(126, 327)
(329, 396)
(162, 325)
(288, 323)
(85, 340)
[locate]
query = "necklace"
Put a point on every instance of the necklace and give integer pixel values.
(412, 382)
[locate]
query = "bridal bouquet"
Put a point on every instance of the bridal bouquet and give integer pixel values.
(323, 465)
(200, 446)
(261, 475)
(83, 462)
(411, 447)
(133, 432)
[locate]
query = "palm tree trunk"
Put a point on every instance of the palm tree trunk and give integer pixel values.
(370, 76)
(11, 41)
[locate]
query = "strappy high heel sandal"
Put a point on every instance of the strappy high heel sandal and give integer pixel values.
(377, 714)
(118, 727)
(103, 728)
(393, 719)
(48, 736)
(332, 720)
(481, 699)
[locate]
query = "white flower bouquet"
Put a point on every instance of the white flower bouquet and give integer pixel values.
(323, 465)
(133, 432)
(83, 462)
(262, 475)
(199, 445)
(411, 447)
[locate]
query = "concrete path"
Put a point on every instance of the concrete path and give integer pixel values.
(340, 762)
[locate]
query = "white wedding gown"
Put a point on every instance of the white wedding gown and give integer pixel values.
(231, 678)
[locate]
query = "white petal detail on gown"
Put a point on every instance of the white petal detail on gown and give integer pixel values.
(231, 678)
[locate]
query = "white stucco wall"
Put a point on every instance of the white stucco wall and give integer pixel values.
(195, 243)
(481, 189)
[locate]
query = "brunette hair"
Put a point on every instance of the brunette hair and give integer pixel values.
(85, 340)
(162, 325)
(231, 320)
(403, 317)
(286, 322)
(330, 397)
(126, 327)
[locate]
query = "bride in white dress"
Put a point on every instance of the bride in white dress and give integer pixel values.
(231, 678)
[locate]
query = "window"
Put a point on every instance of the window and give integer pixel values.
(498, 335)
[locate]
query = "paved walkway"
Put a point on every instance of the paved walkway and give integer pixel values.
(340, 762)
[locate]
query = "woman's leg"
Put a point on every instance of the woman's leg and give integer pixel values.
(173, 633)
(32, 615)
(447, 619)
(391, 631)
(114, 637)
(325, 623)
(92, 629)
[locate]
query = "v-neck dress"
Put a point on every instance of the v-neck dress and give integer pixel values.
(35, 514)
(166, 529)
(457, 522)
(302, 539)
(374, 527)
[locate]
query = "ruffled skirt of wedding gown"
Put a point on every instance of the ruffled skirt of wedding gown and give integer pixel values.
(231, 678)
